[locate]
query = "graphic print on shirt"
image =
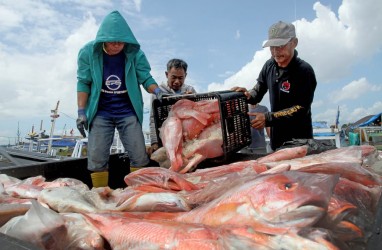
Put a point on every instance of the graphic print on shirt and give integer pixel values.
(285, 86)
(113, 84)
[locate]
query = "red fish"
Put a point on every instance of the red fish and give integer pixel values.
(184, 108)
(350, 170)
(270, 203)
(365, 198)
(207, 148)
(201, 177)
(159, 177)
(161, 202)
(207, 145)
(171, 135)
(129, 233)
(193, 127)
(8, 211)
(307, 238)
(285, 154)
(208, 106)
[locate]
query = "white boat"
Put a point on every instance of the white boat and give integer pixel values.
(322, 132)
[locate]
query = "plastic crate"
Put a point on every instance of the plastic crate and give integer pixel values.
(235, 122)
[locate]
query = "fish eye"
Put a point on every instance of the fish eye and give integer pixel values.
(288, 186)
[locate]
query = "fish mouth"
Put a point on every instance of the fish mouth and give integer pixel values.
(298, 217)
(304, 215)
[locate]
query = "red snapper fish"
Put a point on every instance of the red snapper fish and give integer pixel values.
(365, 198)
(269, 203)
(285, 154)
(126, 232)
(202, 177)
(193, 127)
(207, 106)
(296, 239)
(40, 226)
(347, 154)
(9, 211)
(214, 188)
(171, 135)
(159, 177)
(207, 145)
(350, 170)
(28, 188)
(81, 234)
(155, 201)
(184, 108)
(207, 148)
(368, 154)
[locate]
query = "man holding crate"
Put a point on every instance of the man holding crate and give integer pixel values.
(176, 75)
(291, 83)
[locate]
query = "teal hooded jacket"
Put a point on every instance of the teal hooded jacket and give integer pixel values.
(114, 28)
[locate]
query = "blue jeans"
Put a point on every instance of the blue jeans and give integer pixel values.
(101, 135)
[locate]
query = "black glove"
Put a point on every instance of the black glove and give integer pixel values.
(82, 122)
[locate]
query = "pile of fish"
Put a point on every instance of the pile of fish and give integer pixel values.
(190, 134)
(285, 200)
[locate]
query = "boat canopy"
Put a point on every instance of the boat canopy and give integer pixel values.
(372, 121)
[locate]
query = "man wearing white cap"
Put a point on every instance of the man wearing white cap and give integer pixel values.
(291, 83)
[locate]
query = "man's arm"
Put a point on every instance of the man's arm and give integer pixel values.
(152, 87)
(254, 95)
(303, 98)
(82, 99)
(257, 93)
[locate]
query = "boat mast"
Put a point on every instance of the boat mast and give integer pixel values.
(18, 134)
(54, 116)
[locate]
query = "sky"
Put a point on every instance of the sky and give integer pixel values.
(221, 40)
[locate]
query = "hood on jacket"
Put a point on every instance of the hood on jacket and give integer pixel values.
(114, 28)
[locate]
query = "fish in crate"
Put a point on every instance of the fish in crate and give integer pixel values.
(191, 133)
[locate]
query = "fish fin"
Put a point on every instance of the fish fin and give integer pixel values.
(192, 164)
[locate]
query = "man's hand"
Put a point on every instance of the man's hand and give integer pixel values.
(82, 122)
(257, 120)
(244, 90)
(152, 149)
(160, 94)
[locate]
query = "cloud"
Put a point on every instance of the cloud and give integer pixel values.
(363, 22)
(348, 114)
(330, 40)
(329, 115)
(226, 74)
(317, 103)
(333, 45)
(360, 112)
(132, 6)
(40, 40)
(340, 40)
(45, 78)
(247, 75)
(355, 90)
(8, 18)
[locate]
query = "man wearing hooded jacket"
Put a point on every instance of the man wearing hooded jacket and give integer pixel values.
(111, 70)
